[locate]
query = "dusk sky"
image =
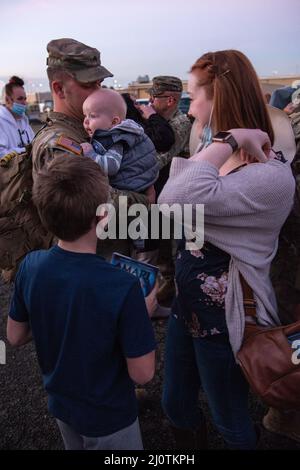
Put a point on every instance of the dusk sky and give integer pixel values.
(155, 37)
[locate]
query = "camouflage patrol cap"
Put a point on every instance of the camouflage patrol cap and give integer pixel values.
(296, 96)
(163, 83)
(82, 61)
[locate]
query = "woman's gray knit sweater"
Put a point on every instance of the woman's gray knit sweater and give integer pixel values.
(243, 214)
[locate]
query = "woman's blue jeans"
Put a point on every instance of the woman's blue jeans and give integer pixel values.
(191, 363)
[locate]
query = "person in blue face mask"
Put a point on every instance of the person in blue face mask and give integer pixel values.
(15, 130)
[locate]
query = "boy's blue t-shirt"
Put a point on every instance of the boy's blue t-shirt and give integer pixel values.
(86, 317)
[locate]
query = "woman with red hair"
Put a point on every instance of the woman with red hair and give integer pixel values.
(247, 191)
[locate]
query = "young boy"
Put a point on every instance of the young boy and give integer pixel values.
(120, 146)
(88, 319)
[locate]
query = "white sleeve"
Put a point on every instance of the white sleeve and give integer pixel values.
(5, 146)
(3, 142)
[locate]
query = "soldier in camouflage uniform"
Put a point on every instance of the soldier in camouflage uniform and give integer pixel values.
(285, 269)
(285, 276)
(74, 72)
(295, 122)
(165, 95)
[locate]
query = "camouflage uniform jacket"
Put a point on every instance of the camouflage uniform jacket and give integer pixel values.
(285, 268)
(295, 122)
(181, 126)
(62, 134)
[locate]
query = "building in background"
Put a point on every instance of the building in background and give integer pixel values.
(140, 90)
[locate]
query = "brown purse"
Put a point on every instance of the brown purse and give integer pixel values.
(270, 359)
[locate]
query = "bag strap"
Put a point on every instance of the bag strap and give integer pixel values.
(248, 302)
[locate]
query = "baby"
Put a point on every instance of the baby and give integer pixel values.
(119, 145)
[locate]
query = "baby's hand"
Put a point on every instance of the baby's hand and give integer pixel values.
(86, 148)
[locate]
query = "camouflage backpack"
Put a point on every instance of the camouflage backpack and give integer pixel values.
(20, 227)
(15, 180)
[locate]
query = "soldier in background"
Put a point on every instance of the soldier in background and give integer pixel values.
(165, 95)
(285, 276)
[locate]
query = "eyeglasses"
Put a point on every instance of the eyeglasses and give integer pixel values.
(161, 96)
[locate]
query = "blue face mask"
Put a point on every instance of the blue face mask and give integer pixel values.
(18, 109)
(207, 135)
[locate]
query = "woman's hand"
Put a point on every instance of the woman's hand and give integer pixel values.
(255, 144)
(147, 110)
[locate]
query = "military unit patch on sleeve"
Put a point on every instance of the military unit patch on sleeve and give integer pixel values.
(69, 145)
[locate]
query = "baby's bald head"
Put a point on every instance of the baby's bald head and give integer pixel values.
(103, 109)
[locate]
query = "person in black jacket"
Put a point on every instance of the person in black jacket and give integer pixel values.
(162, 135)
(155, 126)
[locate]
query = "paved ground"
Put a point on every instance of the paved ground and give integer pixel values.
(26, 424)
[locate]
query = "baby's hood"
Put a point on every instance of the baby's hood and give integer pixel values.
(131, 126)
